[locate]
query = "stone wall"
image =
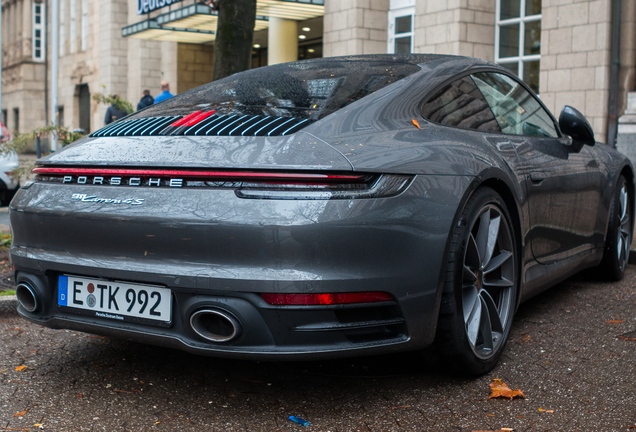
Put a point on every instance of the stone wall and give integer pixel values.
(355, 27)
(459, 27)
(195, 65)
(575, 58)
(22, 77)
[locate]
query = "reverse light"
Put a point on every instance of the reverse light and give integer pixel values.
(325, 299)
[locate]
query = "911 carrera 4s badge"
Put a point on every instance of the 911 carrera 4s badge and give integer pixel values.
(98, 200)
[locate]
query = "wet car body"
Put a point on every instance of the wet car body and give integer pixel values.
(222, 246)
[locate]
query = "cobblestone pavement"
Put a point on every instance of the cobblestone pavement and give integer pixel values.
(570, 353)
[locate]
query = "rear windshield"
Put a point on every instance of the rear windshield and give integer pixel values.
(310, 89)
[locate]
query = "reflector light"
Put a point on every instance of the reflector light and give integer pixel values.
(205, 175)
(326, 299)
(185, 119)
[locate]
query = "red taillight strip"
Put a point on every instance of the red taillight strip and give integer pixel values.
(196, 174)
(326, 299)
(198, 118)
(185, 119)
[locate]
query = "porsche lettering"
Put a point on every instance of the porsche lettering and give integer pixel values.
(123, 181)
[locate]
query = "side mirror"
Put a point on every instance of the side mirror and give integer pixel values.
(574, 124)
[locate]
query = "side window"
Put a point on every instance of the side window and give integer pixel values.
(460, 104)
(516, 110)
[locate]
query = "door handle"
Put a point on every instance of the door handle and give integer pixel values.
(537, 177)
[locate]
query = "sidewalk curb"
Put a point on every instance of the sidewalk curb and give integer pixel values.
(8, 304)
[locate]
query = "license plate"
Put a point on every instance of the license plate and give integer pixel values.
(122, 301)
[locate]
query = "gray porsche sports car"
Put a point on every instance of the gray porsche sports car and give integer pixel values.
(323, 208)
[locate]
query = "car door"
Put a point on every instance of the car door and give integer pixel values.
(563, 185)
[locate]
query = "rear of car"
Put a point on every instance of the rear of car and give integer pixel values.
(217, 222)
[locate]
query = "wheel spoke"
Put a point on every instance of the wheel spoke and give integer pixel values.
(482, 237)
(493, 235)
(623, 202)
(469, 276)
(499, 283)
(619, 245)
(493, 311)
(485, 326)
(473, 322)
(470, 297)
(498, 261)
(472, 253)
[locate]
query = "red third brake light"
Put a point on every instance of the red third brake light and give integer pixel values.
(326, 299)
(185, 119)
(198, 118)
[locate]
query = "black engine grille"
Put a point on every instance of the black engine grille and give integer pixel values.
(214, 125)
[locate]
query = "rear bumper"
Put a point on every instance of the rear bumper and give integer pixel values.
(214, 250)
(268, 332)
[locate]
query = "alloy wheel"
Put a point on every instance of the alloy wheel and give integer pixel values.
(623, 240)
(489, 277)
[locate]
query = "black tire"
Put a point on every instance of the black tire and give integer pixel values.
(481, 286)
(619, 233)
(7, 195)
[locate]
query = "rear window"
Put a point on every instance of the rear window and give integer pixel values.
(310, 89)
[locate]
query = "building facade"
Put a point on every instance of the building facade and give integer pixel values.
(564, 49)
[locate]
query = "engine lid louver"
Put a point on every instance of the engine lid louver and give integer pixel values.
(207, 125)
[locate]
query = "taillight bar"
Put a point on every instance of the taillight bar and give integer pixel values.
(325, 299)
(205, 175)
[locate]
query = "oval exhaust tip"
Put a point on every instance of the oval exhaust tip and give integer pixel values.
(215, 325)
(27, 298)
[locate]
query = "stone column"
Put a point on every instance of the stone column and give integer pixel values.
(282, 43)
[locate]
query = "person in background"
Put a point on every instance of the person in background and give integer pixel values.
(165, 89)
(146, 100)
(113, 113)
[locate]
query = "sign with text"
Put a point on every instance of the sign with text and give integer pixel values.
(145, 6)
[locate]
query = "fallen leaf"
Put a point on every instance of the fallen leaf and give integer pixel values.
(4, 370)
(544, 410)
(499, 389)
(416, 123)
(38, 424)
(20, 368)
(500, 430)
(25, 430)
(630, 336)
(615, 321)
(20, 414)
(160, 421)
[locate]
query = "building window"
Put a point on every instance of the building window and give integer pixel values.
(39, 52)
(16, 119)
(73, 26)
(518, 38)
(60, 115)
(401, 23)
(62, 34)
(84, 26)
